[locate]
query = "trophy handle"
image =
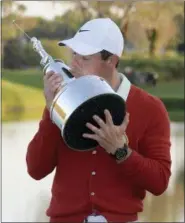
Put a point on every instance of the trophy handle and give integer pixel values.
(47, 62)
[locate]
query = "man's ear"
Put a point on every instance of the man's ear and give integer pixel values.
(113, 60)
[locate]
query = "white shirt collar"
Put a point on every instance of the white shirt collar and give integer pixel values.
(124, 88)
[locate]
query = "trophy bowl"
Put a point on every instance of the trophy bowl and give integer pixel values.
(76, 104)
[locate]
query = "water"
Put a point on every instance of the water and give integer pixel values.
(24, 199)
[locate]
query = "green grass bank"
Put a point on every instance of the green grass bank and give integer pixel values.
(22, 95)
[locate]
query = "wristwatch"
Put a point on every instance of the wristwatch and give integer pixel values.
(121, 153)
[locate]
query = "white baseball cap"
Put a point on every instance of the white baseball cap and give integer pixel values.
(96, 35)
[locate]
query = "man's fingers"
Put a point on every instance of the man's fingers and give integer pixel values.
(57, 88)
(108, 117)
(55, 77)
(99, 121)
(92, 127)
(52, 81)
(48, 74)
(55, 81)
(101, 141)
(91, 136)
(51, 75)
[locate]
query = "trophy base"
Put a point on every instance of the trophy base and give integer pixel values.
(76, 123)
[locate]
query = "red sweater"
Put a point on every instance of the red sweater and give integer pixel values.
(86, 181)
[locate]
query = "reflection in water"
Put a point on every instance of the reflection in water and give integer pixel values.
(165, 208)
(169, 207)
(24, 199)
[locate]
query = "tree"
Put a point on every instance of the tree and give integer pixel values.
(157, 20)
(152, 38)
(7, 14)
(21, 9)
(11, 10)
(7, 7)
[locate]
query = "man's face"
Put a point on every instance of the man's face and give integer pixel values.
(84, 65)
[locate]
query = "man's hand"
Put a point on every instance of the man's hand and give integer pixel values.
(52, 84)
(109, 136)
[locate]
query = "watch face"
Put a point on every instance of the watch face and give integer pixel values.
(121, 153)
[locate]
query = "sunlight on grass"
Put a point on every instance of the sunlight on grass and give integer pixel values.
(20, 102)
(174, 89)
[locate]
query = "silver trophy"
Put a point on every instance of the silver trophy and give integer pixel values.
(78, 100)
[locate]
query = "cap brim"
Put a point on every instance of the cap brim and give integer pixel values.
(79, 47)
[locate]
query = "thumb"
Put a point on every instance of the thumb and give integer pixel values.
(125, 122)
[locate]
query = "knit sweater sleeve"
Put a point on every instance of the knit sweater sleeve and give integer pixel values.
(41, 157)
(150, 167)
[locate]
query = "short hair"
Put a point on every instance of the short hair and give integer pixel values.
(106, 54)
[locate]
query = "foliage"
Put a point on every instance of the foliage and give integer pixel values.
(20, 54)
(51, 29)
(10, 11)
(13, 55)
(56, 51)
(7, 7)
(8, 31)
(167, 67)
(162, 16)
(166, 18)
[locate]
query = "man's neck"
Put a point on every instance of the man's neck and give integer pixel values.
(115, 81)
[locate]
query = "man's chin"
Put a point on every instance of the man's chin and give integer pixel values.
(77, 75)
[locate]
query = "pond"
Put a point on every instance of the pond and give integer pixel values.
(24, 199)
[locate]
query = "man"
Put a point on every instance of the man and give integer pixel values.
(109, 183)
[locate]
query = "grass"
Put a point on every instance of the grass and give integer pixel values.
(30, 77)
(22, 95)
(21, 102)
(169, 89)
(177, 116)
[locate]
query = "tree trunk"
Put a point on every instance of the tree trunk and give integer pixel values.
(152, 38)
(125, 20)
